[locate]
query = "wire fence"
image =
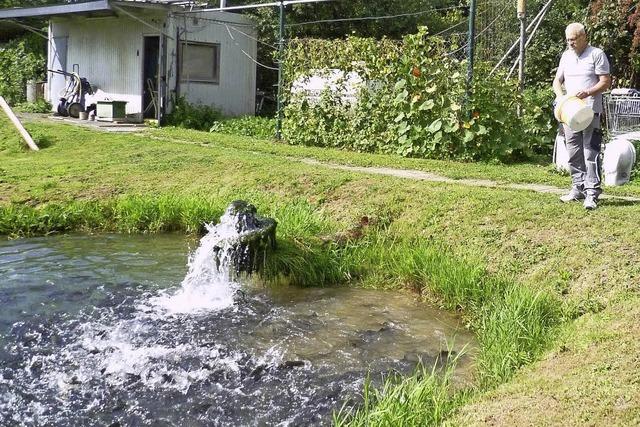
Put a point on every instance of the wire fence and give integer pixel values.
(497, 30)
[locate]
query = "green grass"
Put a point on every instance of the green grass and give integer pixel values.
(532, 172)
(424, 398)
(519, 265)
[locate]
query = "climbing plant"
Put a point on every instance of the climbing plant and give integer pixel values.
(411, 102)
(615, 25)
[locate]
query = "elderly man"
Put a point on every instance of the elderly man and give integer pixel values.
(584, 72)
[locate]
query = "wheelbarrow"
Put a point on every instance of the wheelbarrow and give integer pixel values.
(72, 101)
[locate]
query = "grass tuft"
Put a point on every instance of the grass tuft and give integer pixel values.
(424, 398)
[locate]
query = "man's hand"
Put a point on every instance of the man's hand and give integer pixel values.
(583, 94)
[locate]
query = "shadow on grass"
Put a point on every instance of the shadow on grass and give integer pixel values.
(618, 202)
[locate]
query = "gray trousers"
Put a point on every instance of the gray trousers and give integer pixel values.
(584, 157)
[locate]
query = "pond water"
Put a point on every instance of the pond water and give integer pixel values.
(94, 331)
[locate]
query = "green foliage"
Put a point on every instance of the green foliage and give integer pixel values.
(21, 59)
(256, 127)
(191, 116)
(539, 123)
(614, 27)
(413, 104)
(635, 172)
(40, 106)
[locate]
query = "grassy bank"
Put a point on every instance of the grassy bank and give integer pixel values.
(519, 264)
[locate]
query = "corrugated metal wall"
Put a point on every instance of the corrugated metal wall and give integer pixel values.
(235, 92)
(108, 52)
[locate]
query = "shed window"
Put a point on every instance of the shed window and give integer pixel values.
(200, 62)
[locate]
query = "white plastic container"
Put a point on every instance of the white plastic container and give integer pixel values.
(619, 158)
(560, 154)
(573, 112)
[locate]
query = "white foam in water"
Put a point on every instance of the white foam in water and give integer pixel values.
(206, 287)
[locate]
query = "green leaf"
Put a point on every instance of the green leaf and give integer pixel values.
(400, 85)
(403, 128)
(401, 97)
(435, 126)
(452, 126)
(468, 136)
(427, 105)
(399, 117)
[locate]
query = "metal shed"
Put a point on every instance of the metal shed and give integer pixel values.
(141, 51)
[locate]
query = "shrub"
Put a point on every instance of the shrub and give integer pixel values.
(413, 104)
(256, 127)
(192, 116)
(21, 59)
(40, 106)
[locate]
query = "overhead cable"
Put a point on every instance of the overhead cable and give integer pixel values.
(460, 23)
(253, 38)
(215, 20)
(372, 18)
(246, 54)
(34, 30)
(480, 33)
(258, 5)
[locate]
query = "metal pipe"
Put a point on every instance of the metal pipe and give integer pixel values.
(536, 21)
(529, 40)
(522, 16)
(470, 49)
(280, 60)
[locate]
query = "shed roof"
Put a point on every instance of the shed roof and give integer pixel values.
(88, 8)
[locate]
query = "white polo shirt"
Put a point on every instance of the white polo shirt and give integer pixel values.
(581, 73)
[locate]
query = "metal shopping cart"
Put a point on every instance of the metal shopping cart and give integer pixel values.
(622, 111)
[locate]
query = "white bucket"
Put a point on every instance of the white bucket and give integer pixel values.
(573, 112)
(618, 160)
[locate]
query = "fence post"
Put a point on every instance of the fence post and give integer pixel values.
(280, 60)
(522, 16)
(471, 41)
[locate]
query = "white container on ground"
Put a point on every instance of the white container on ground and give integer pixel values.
(560, 154)
(618, 161)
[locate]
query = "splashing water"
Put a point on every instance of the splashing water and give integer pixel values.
(209, 284)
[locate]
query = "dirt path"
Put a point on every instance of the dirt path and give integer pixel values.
(427, 176)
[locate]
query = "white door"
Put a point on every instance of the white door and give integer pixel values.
(57, 61)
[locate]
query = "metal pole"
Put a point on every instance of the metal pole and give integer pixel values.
(280, 60)
(522, 16)
(535, 21)
(471, 41)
